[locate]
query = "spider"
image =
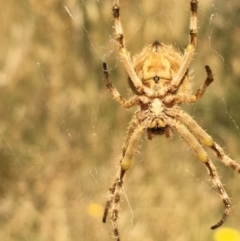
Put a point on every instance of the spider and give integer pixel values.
(160, 82)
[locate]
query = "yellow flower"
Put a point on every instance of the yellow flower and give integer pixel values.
(95, 210)
(227, 234)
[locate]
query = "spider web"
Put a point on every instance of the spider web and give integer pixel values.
(62, 132)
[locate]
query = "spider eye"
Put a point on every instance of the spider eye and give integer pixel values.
(156, 78)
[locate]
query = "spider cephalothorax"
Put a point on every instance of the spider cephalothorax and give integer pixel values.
(159, 79)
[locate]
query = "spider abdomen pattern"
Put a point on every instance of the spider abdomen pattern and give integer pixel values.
(157, 65)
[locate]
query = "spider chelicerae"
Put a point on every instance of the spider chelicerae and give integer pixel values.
(160, 82)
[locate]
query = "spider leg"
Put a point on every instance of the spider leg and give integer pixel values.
(217, 183)
(124, 54)
(190, 50)
(206, 83)
(130, 147)
(194, 145)
(207, 140)
(187, 58)
(113, 204)
(135, 100)
(193, 22)
(186, 98)
(133, 124)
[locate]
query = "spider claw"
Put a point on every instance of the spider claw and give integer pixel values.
(219, 224)
(104, 219)
(228, 210)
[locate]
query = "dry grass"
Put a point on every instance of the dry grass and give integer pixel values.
(61, 132)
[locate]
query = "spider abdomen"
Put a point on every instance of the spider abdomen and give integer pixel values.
(157, 65)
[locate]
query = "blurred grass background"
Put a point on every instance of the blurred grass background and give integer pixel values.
(62, 133)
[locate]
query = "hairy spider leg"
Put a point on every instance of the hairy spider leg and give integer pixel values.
(187, 98)
(129, 150)
(207, 140)
(125, 55)
(190, 50)
(135, 100)
(194, 145)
